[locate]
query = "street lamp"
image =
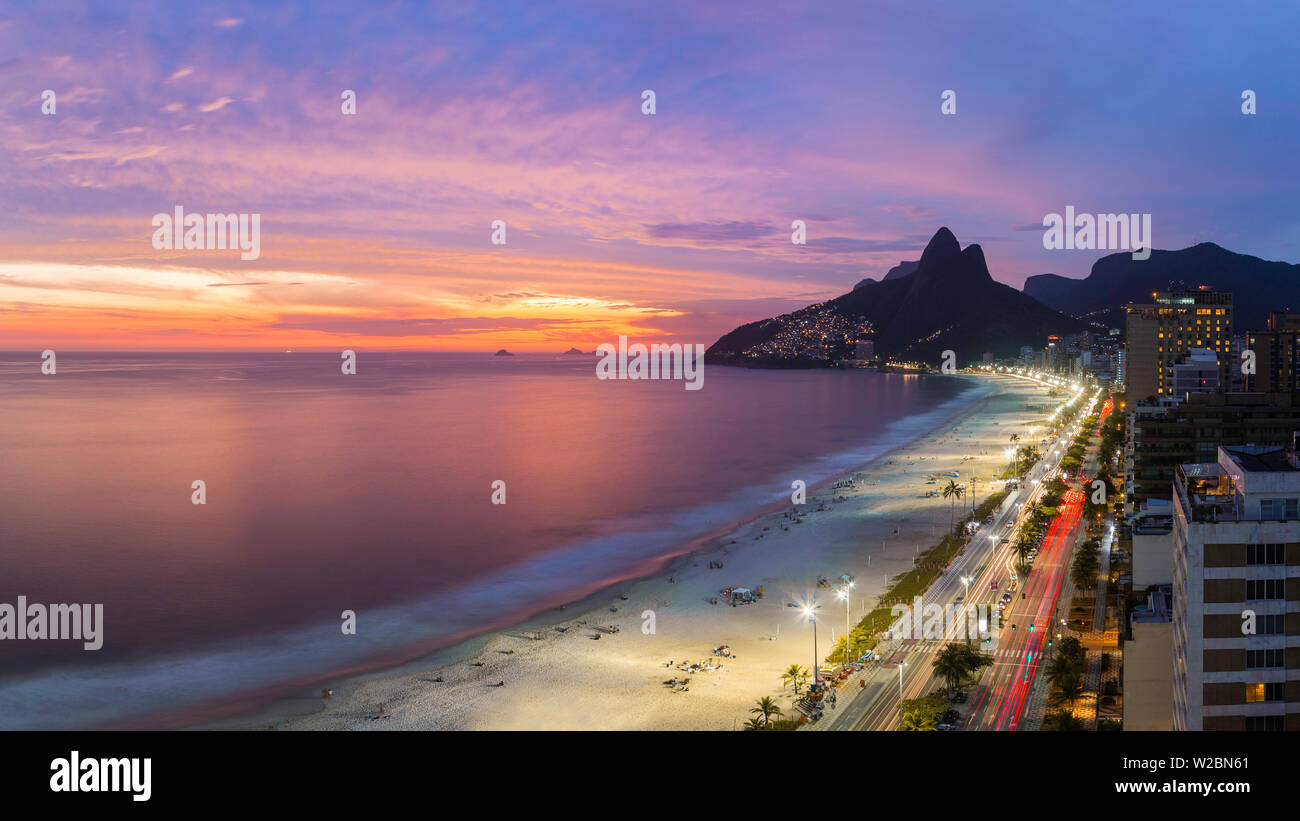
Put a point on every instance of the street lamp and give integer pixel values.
(966, 580)
(844, 594)
(901, 665)
(812, 617)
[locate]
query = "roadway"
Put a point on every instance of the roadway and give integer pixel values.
(999, 701)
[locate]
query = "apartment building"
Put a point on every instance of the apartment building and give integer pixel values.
(1165, 435)
(1276, 355)
(1197, 373)
(1236, 591)
(1163, 332)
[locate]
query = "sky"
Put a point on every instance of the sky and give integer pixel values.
(376, 227)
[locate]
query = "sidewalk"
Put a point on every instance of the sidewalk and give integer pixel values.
(1103, 580)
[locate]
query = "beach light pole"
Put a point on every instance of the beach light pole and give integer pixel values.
(812, 617)
(844, 594)
(901, 665)
(966, 580)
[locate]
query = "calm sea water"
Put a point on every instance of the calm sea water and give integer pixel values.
(372, 493)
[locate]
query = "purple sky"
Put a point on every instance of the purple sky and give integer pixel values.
(375, 227)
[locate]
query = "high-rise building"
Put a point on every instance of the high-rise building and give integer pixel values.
(1172, 433)
(1197, 373)
(1162, 332)
(1236, 592)
(1276, 365)
(1236, 375)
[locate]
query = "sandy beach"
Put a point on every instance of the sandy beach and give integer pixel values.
(554, 673)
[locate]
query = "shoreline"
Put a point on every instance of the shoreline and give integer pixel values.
(521, 651)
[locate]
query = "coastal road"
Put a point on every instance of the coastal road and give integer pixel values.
(985, 561)
(998, 701)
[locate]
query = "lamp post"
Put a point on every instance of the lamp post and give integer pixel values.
(966, 580)
(844, 594)
(901, 665)
(812, 617)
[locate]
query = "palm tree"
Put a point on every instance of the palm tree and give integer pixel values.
(1061, 722)
(974, 659)
(950, 665)
(1027, 455)
(952, 491)
(795, 675)
(1069, 690)
(790, 676)
(1062, 667)
(1073, 649)
(1084, 570)
(956, 662)
(766, 709)
(1023, 545)
(754, 724)
(915, 720)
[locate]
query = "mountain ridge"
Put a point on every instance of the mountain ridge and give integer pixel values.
(949, 301)
(1257, 285)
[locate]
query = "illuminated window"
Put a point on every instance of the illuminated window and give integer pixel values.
(1273, 691)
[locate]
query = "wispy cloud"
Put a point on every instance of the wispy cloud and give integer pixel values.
(216, 105)
(677, 222)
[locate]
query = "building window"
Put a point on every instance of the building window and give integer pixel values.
(1284, 509)
(1270, 625)
(1265, 554)
(1261, 659)
(1270, 691)
(1257, 589)
(1268, 724)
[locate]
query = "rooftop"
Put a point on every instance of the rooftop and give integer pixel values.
(1248, 483)
(1261, 459)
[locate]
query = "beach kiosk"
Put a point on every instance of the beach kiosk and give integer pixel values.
(741, 595)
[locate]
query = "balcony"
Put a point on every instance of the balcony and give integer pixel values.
(1207, 493)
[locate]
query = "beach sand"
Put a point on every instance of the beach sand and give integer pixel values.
(567, 679)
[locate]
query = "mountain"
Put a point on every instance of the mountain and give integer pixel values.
(503, 352)
(1257, 286)
(574, 352)
(948, 302)
(1051, 289)
(902, 269)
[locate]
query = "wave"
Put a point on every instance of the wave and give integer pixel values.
(175, 689)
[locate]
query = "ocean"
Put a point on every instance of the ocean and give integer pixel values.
(371, 493)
